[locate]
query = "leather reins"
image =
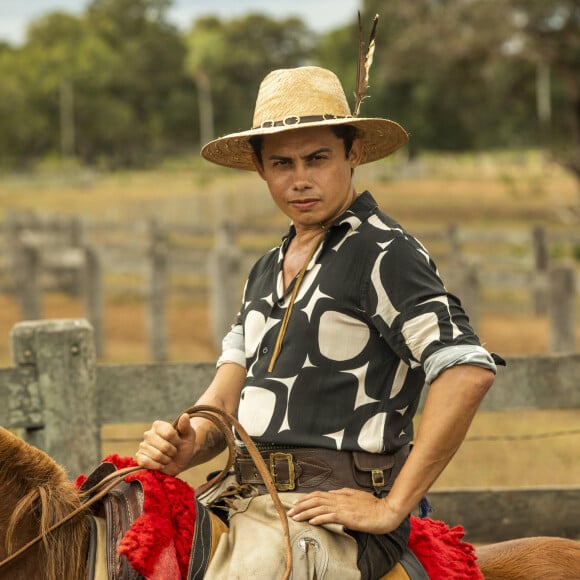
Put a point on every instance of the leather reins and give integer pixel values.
(225, 422)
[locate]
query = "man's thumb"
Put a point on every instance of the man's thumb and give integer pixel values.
(184, 427)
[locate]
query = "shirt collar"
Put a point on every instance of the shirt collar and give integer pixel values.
(361, 209)
(363, 206)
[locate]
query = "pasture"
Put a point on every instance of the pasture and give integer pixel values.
(506, 191)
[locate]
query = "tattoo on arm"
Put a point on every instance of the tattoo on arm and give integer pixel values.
(213, 443)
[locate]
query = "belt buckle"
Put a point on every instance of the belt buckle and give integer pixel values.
(291, 473)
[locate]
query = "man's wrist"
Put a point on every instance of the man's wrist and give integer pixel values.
(396, 510)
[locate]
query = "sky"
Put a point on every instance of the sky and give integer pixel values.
(320, 15)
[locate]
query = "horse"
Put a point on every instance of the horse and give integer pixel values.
(36, 494)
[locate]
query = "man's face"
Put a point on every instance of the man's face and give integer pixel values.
(308, 174)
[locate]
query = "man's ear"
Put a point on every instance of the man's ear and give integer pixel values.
(355, 153)
(258, 166)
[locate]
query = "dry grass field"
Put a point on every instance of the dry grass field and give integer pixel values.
(501, 191)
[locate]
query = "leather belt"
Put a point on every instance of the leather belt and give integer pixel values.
(304, 469)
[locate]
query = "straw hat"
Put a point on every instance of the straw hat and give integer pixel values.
(304, 97)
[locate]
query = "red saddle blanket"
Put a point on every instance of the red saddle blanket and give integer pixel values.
(158, 544)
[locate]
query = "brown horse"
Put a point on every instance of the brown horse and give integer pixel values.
(35, 494)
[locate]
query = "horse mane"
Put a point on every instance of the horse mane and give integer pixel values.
(35, 495)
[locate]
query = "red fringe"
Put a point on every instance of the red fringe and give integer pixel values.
(442, 551)
(168, 516)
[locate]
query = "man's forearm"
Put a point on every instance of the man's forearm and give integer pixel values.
(210, 441)
(223, 393)
(449, 409)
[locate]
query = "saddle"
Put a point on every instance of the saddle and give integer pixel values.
(110, 518)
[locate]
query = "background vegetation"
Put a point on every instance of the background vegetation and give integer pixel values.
(119, 86)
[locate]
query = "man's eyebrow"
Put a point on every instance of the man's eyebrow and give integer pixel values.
(275, 157)
(317, 152)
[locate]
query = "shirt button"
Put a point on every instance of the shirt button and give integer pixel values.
(265, 350)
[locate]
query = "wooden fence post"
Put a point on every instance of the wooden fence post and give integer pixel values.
(470, 292)
(157, 292)
(540, 273)
(62, 354)
(74, 237)
(28, 283)
(463, 277)
(92, 290)
(454, 242)
(562, 309)
(224, 270)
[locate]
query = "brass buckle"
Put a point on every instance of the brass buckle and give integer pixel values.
(378, 478)
(291, 474)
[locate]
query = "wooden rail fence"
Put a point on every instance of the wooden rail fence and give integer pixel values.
(43, 253)
(59, 397)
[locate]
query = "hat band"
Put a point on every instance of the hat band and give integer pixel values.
(294, 120)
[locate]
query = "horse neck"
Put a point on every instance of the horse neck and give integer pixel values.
(35, 495)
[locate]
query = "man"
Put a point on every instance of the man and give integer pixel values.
(340, 328)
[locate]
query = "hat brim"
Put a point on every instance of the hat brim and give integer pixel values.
(380, 138)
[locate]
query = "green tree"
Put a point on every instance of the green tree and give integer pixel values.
(337, 50)
(108, 86)
(546, 34)
(31, 82)
(464, 73)
(205, 52)
(23, 128)
(146, 81)
(236, 54)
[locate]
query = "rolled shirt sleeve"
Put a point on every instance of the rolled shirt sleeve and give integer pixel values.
(451, 356)
(233, 350)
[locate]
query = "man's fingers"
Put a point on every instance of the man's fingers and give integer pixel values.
(164, 430)
(158, 446)
(311, 505)
(162, 453)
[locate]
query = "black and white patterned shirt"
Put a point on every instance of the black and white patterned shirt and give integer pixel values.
(372, 322)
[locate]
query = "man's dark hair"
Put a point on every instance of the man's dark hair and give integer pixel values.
(345, 132)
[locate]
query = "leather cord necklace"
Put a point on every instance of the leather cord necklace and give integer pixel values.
(286, 319)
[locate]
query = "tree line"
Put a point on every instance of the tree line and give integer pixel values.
(119, 85)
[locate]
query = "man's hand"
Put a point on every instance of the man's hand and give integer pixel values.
(354, 509)
(165, 449)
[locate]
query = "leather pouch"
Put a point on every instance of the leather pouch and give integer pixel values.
(377, 471)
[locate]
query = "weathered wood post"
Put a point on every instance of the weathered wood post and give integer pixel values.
(61, 356)
(92, 289)
(28, 283)
(70, 233)
(157, 292)
(224, 270)
(562, 309)
(24, 266)
(470, 292)
(463, 277)
(454, 242)
(540, 273)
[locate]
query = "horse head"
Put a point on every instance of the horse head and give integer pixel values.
(36, 494)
